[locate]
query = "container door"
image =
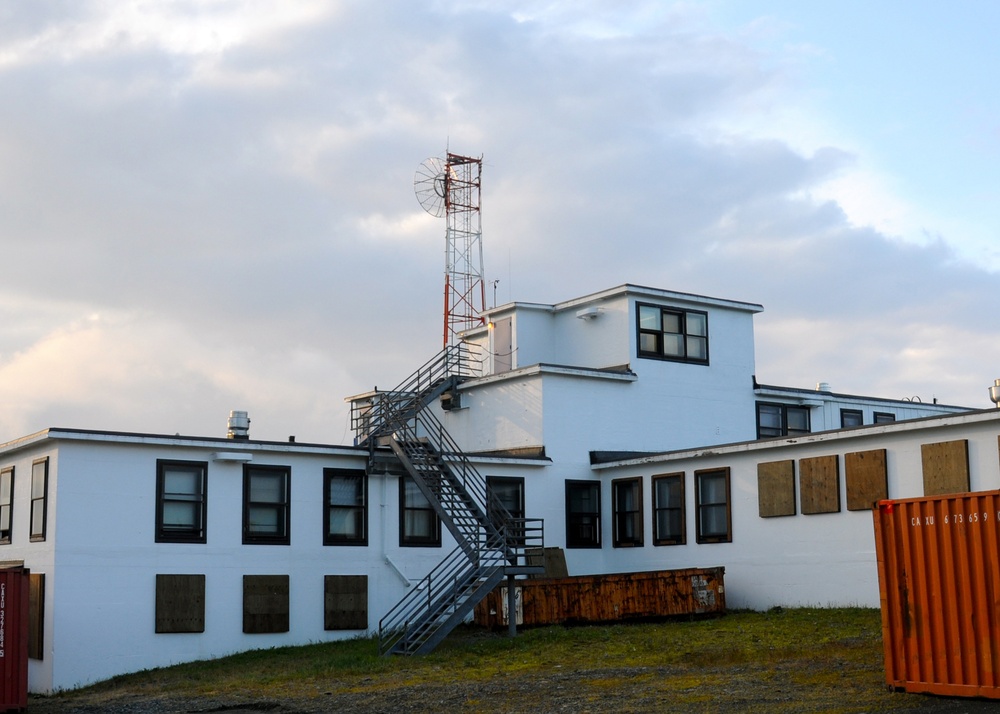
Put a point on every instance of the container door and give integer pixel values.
(14, 584)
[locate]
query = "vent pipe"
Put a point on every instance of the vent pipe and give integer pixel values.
(239, 426)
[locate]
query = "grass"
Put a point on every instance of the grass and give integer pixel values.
(781, 660)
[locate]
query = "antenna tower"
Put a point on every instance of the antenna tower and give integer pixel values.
(450, 187)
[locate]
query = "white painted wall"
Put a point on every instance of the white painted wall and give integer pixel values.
(822, 559)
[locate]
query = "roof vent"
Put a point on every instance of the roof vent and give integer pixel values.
(239, 426)
(822, 386)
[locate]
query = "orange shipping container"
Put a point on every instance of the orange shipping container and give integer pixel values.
(608, 598)
(939, 584)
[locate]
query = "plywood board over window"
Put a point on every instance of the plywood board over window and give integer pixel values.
(866, 478)
(265, 603)
(36, 615)
(345, 602)
(776, 488)
(819, 485)
(180, 603)
(946, 467)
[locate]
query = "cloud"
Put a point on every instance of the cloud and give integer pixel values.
(229, 187)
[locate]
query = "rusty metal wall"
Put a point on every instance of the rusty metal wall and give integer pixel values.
(609, 598)
(939, 583)
(13, 638)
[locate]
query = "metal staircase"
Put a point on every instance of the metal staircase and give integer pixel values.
(491, 543)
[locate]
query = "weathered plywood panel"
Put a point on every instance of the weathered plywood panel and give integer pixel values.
(553, 559)
(819, 484)
(776, 488)
(180, 603)
(345, 605)
(265, 603)
(866, 478)
(36, 615)
(946, 467)
(610, 598)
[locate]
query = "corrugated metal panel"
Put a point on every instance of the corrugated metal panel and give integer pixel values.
(939, 582)
(609, 598)
(13, 638)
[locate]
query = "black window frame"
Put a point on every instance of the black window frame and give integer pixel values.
(846, 414)
(282, 508)
(577, 521)
(703, 508)
(359, 510)
(627, 529)
(39, 518)
(197, 533)
(883, 418)
(408, 540)
(685, 333)
(6, 505)
(672, 538)
(516, 510)
(782, 411)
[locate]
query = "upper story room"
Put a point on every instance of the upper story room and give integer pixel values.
(620, 327)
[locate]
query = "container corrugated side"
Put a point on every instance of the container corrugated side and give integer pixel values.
(939, 584)
(14, 592)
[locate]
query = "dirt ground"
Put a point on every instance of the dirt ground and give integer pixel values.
(637, 690)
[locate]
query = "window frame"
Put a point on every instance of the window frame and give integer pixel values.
(658, 537)
(412, 541)
(516, 513)
(6, 505)
(854, 413)
(194, 534)
(883, 418)
(36, 530)
(282, 508)
(701, 507)
(358, 510)
(573, 519)
(685, 334)
(782, 412)
(625, 520)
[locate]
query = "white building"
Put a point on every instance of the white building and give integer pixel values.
(629, 420)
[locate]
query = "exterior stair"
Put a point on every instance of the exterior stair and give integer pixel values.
(492, 544)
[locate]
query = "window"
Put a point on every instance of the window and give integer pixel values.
(626, 505)
(673, 334)
(583, 514)
(712, 503)
(181, 501)
(509, 492)
(851, 417)
(883, 418)
(6, 502)
(419, 522)
(266, 505)
(668, 510)
(39, 497)
(781, 420)
(346, 499)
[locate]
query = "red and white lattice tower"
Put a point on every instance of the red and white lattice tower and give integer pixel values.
(450, 187)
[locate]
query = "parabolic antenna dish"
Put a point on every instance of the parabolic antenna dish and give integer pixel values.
(430, 186)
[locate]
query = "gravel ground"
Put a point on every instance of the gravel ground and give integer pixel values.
(639, 690)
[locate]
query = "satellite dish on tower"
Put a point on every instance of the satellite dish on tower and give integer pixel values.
(430, 185)
(450, 187)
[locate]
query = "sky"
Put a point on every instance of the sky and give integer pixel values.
(207, 205)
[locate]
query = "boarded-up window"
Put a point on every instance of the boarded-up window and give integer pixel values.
(776, 489)
(345, 602)
(819, 485)
(180, 603)
(36, 615)
(946, 467)
(866, 479)
(265, 603)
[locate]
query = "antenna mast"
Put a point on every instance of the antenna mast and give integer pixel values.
(452, 188)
